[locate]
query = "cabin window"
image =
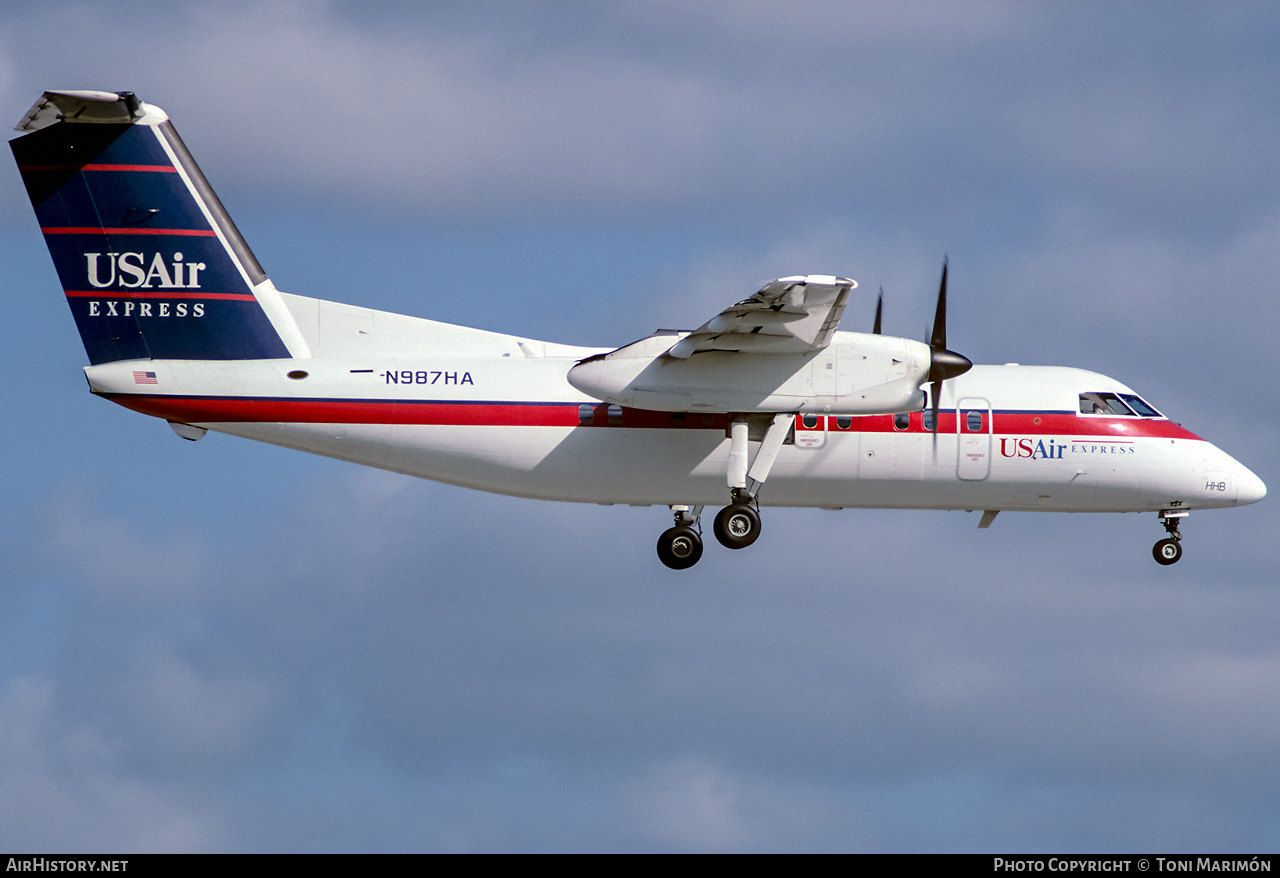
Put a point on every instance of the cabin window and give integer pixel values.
(926, 418)
(902, 420)
(973, 420)
(809, 422)
(1103, 404)
(844, 422)
(615, 415)
(586, 414)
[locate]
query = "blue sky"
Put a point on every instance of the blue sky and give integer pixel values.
(226, 646)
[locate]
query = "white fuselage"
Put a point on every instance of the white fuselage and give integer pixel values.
(497, 413)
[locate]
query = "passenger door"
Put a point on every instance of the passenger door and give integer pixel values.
(973, 438)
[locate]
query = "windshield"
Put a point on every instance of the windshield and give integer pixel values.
(1125, 404)
(1139, 405)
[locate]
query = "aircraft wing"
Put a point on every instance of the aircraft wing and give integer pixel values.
(791, 315)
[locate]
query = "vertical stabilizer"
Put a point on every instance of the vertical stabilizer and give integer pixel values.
(152, 265)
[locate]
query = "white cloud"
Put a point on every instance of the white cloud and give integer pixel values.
(659, 105)
(689, 803)
(192, 713)
(64, 789)
(108, 549)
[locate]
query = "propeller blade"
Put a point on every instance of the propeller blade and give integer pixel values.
(943, 364)
(875, 329)
(938, 341)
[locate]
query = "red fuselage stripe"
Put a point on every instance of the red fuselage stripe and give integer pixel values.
(323, 411)
(202, 410)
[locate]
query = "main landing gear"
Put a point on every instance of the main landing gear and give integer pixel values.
(1169, 550)
(680, 546)
(738, 524)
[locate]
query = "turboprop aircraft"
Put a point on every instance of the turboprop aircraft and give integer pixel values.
(765, 403)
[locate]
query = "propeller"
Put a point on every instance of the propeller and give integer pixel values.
(943, 364)
(875, 329)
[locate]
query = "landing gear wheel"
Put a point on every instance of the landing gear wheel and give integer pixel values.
(1167, 552)
(679, 547)
(737, 526)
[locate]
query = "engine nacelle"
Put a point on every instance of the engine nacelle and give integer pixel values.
(857, 374)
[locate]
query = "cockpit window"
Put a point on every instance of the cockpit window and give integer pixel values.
(1139, 405)
(1125, 404)
(1103, 404)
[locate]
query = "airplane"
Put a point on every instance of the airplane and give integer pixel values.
(765, 403)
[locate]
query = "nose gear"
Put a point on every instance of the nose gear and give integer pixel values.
(1169, 550)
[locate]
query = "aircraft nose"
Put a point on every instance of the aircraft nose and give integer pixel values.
(1250, 488)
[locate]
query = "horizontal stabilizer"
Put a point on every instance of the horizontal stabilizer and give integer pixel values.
(81, 106)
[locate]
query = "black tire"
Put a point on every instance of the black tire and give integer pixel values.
(737, 526)
(1167, 552)
(679, 547)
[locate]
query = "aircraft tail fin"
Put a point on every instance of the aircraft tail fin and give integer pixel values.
(152, 265)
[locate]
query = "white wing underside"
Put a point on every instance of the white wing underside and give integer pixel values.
(791, 315)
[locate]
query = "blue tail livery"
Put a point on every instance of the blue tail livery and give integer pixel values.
(151, 264)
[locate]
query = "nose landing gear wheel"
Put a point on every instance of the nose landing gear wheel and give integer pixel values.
(737, 526)
(679, 547)
(1167, 552)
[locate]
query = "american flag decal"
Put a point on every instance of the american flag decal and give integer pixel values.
(144, 378)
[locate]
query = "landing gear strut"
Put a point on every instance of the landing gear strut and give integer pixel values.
(1169, 550)
(680, 546)
(738, 524)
